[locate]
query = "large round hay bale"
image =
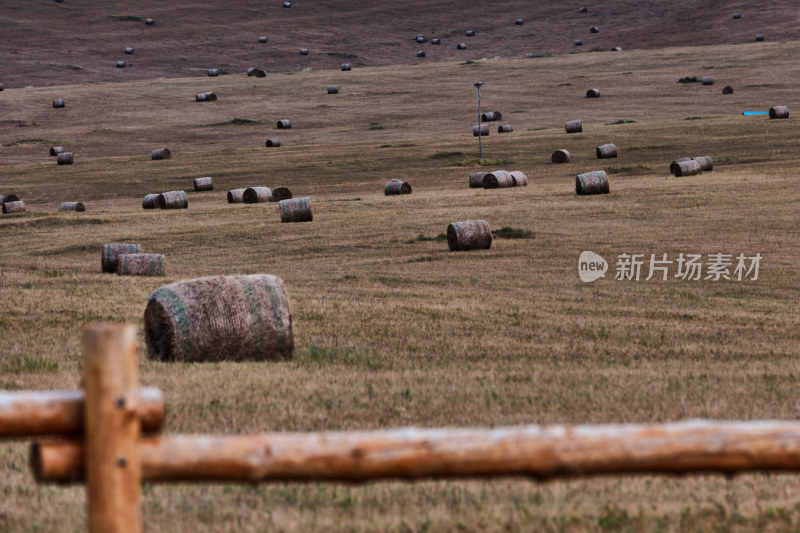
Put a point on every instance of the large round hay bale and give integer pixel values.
(213, 72)
(687, 168)
(759, 37)
(594, 29)
(236, 196)
(498, 179)
(64, 158)
(251, 71)
(491, 116)
(673, 166)
(333, 89)
(58, 102)
(520, 179)
(128, 50)
(172, 200)
(705, 163)
(727, 90)
(149, 201)
(55, 150)
(273, 143)
(120, 64)
(149, 22)
(583, 10)
(287, 4)
(295, 210)
(141, 265)
(779, 111)
(606, 151)
(111, 253)
(304, 51)
(280, 193)
(737, 16)
(578, 42)
(708, 80)
(593, 93)
(13, 207)
(505, 128)
(594, 182)
(161, 153)
(219, 318)
(262, 39)
(396, 186)
(72, 206)
(573, 126)
(470, 33)
(345, 66)
(257, 72)
(204, 184)
(206, 97)
(436, 41)
(461, 46)
(257, 195)
(4, 198)
(518, 22)
(476, 179)
(284, 124)
(469, 235)
(482, 130)
(560, 156)
(420, 53)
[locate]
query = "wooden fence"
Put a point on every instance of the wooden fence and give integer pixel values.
(104, 443)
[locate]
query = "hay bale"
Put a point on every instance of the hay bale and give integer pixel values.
(58, 102)
(295, 210)
(461, 46)
(333, 89)
(708, 80)
(141, 265)
(206, 97)
(72, 206)
(262, 39)
(578, 42)
(172, 200)
(236, 196)
(737, 16)
(304, 51)
(727, 90)
(673, 166)
(583, 10)
(518, 22)
(606, 151)
(287, 4)
(64, 158)
(55, 150)
(573, 126)
(759, 37)
(779, 111)
(219, 318)
(204, 184)
(396, 186)
(420, 54)
(149, 22)
(345, 67)
(482, 130)
(491, 116)
(436, 41)
(594, 182)
(687, 168)
(470, 33)
(421, 38)
(13, 207)
(469, 235)
(705, 163)
(476, 179)
(161, 153)
(257, 72)
(128, 50)
(257, 195)
(594, 29)
(505, 128)
(149, 201)
(284, 124)
(560, 156)
(529, 55)
(273, 143)
(8, 198)
(120, 64)
(280, 193)
(520, 179)
(593, 93)
(498, 179)
(1, 85)
(111, 252)
(213, 72)
(616, 49)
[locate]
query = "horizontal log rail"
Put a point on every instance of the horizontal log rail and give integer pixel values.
(543, 452)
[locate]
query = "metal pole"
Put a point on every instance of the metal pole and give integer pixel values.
(480, 144)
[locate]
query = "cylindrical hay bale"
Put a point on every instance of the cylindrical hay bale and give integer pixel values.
(470, 33)
(213, 72)
(149, 201)
(727, 90)
(128, 50)
(172, 200)
(396, 186)
(333, 89)
(421, 39)
(284, 124)
(72, 206)
(1, 85)
(206, 97)
(518, 22)
(256, 195)
(204, 184)
(594, 29)
(149, 22)
(111, 253)
(583, 10)
(593, 93)
(55, 150)
(161, 153)
(58, 102)
(280, 193)
(436, 41)
(304, 51)
(708, 80)
(491, 116)
(705, 162)
(737, 16)
(262, 39)
(287, 4)
(616, 49)
(461, 46)
(779, 111)
(8, 198)
(687, 168)
(573, 126)
(520, 179)
(273, 143)
(498, 179)
(482, 130)
(594, 182)
(296, 210)
(505, 128)
(64, 158)
(476, 180)
(420, 54)
(257, 72)
(13, 207)
(578, 42)
(345, 66)
(120, 64)
(141, 265)
(606, 151)
(759, 37)
(252, 71)
(673, 166)
(560, 156)
(236, 196)
(219, 318)
(469, 235)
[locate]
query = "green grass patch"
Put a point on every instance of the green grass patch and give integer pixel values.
(507, 232)
(688, 79)
(338, 356)
(620, 122)
(236, 122)
(343, 55)
(23, 363)
(73, 67)
(423, 238)
(130, 17)
(477, 162)
(446, 155)
(696, 118)
(626, 170)
(376, 126)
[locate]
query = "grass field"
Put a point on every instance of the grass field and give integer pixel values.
(391, 328)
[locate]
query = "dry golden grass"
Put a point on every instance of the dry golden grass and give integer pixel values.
(391, 328)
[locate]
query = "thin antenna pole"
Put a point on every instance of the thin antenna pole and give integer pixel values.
(480, 144)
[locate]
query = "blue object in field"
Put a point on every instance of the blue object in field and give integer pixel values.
(755, 112)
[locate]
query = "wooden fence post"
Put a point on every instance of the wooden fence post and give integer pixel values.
(113, 430)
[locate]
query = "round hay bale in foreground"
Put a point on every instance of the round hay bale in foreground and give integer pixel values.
(213, 72)
(594, 182)
(779, 111)
(304, 51)
(578, 42)
(149, 201)
(705, 163)
(13, 207)
(759, 37)
(560, 156)
(461, 46)
(273, 143)
(345, 66)
(161, 153)
(72, 206)
(8, 198)
(396, 186)
(172, 200)
(204, 184)
(573, 126)
(469, 235)
(58, 102)
(520, 179)
(505, 128)
(476, 179)
(219, 318)
(111, 253)
(64, 158)
(128, 50)
(295, 210)
(606, 151)
(262, 39)
(284, 124)
(420, 54)
(470, 33)
(333, 89)
(280, 193)
(149, 22)
(491, 116)
(673, 166)
(482, 130)
(498, 179)
(120, 64)
(257, 195)
(55, 150)
(205, 97)
(141, 265)
(518, 22)
(708, 80)
(727, 90)
(687, 168)
(236, 196)
(593, 93)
